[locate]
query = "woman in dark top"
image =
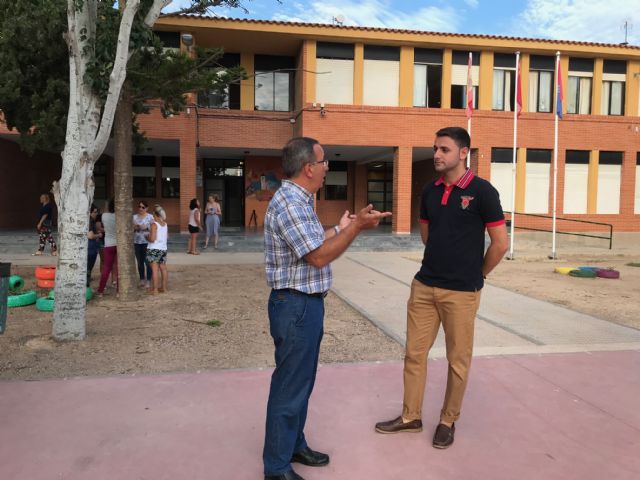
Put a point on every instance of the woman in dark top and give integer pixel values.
(94, 235)
(45, 224)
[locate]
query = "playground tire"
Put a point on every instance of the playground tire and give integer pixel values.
(45, 304)
(22, 299)
(45, 283)
(595, 269)
(564, 270)
(608, 273)
(46, 272)
(16, 282)
(89, 294)
(582, 273)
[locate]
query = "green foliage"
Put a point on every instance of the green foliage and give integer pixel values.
(34, 78)
(214, 323)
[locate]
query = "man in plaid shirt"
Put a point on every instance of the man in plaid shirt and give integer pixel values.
(298, 252)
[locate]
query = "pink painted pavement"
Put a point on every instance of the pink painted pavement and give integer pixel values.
(552, 416)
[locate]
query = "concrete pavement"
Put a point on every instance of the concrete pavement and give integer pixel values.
(553, 395)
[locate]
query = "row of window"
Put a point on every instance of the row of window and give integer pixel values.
(538, 175)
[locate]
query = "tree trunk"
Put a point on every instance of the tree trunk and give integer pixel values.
(123, 188)
(73, 195)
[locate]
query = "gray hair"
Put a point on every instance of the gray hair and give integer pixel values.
(296, 153)
(159, 211)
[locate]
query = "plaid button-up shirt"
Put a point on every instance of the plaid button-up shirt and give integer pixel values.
(291, 230)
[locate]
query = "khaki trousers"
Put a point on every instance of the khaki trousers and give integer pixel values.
(426, 309)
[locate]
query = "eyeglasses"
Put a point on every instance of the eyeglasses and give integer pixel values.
(324, 162)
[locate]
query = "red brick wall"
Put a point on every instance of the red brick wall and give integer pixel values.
(22, 180)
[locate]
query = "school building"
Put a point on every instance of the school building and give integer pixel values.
(374, 98)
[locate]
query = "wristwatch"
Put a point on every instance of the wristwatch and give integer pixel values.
(337, 229)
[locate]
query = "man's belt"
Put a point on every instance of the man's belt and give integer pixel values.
(298, 292)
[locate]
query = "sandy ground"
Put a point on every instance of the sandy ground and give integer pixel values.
(169, 332)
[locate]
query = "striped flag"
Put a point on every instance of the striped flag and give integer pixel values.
(469, 88)
(559, 94)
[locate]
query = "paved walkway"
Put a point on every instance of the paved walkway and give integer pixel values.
(529, 413)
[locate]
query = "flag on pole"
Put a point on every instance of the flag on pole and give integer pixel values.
(519, 90)
(469, 88)
(559, 95)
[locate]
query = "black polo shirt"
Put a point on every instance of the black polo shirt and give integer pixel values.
(457, 216)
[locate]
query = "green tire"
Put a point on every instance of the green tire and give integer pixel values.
(16, 282)
(45, 304)
(583, 273)
(89, 294)
(22, 299)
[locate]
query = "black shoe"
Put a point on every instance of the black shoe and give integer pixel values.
(310, 458)
(443, 438)
(290, 475)
(397, 425)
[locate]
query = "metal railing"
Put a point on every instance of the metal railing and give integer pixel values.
(610, 237)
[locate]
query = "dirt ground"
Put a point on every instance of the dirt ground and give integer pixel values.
(169, 332)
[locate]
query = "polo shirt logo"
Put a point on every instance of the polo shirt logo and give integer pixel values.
(465, 201)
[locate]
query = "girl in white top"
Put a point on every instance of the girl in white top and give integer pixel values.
(194, 225)
(157, 251)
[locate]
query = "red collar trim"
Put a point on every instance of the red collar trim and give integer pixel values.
(463, 182)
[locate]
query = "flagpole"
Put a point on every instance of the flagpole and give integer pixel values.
(513, 163)
(469, 103)
(553, 255)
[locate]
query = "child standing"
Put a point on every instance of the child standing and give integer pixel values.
(157, 251)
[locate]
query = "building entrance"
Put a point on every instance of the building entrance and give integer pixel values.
(226, 179)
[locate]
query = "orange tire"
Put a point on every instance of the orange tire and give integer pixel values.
(46, 272)
(45, 283)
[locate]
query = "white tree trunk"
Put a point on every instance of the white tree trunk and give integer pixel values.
(88, 128)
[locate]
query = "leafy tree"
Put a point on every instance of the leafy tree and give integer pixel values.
(96, 63)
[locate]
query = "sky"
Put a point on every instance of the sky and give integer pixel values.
(600, 21)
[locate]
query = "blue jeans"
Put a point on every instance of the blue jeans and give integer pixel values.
(296, 327)
(141, 255)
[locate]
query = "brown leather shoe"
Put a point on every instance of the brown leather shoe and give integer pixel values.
(397, 425)
(443, 438)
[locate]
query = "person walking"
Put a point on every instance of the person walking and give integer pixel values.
(213, 212)
(157, 251)
(142, 221)
(194, 226)
(45, 225)
(455, 211)
(298, 253)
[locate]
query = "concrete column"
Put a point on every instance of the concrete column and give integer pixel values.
(358, 73)
(596, 88)
(592, 182)
(406, 76)
(485, 89)
(247, 92)
(308, 67)
(632, 94)
(402, 170)
(447, 65)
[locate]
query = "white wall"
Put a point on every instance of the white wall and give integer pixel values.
(502, 180)
(609, 189)
(576, 187)
(381, 83)
(536, 199)
(636, 208)
(335, 86)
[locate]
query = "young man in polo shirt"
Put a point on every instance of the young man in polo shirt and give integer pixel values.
(455, 211)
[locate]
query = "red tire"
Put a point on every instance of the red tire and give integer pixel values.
(45, 283)
(608, 273)
(46, 272)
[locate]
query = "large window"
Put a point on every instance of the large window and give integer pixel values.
(381, 85)
(504, 82)
(541, 72)
(334, 81)
(579, 87)
(609, 179)
(228, 97)
(274, 77)
(336, 181)
(459, 72)
(170, 177)
(613, 85)
(144, 176)
(576, 181)
(502, 175)
(427, 78)
(537, 181)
